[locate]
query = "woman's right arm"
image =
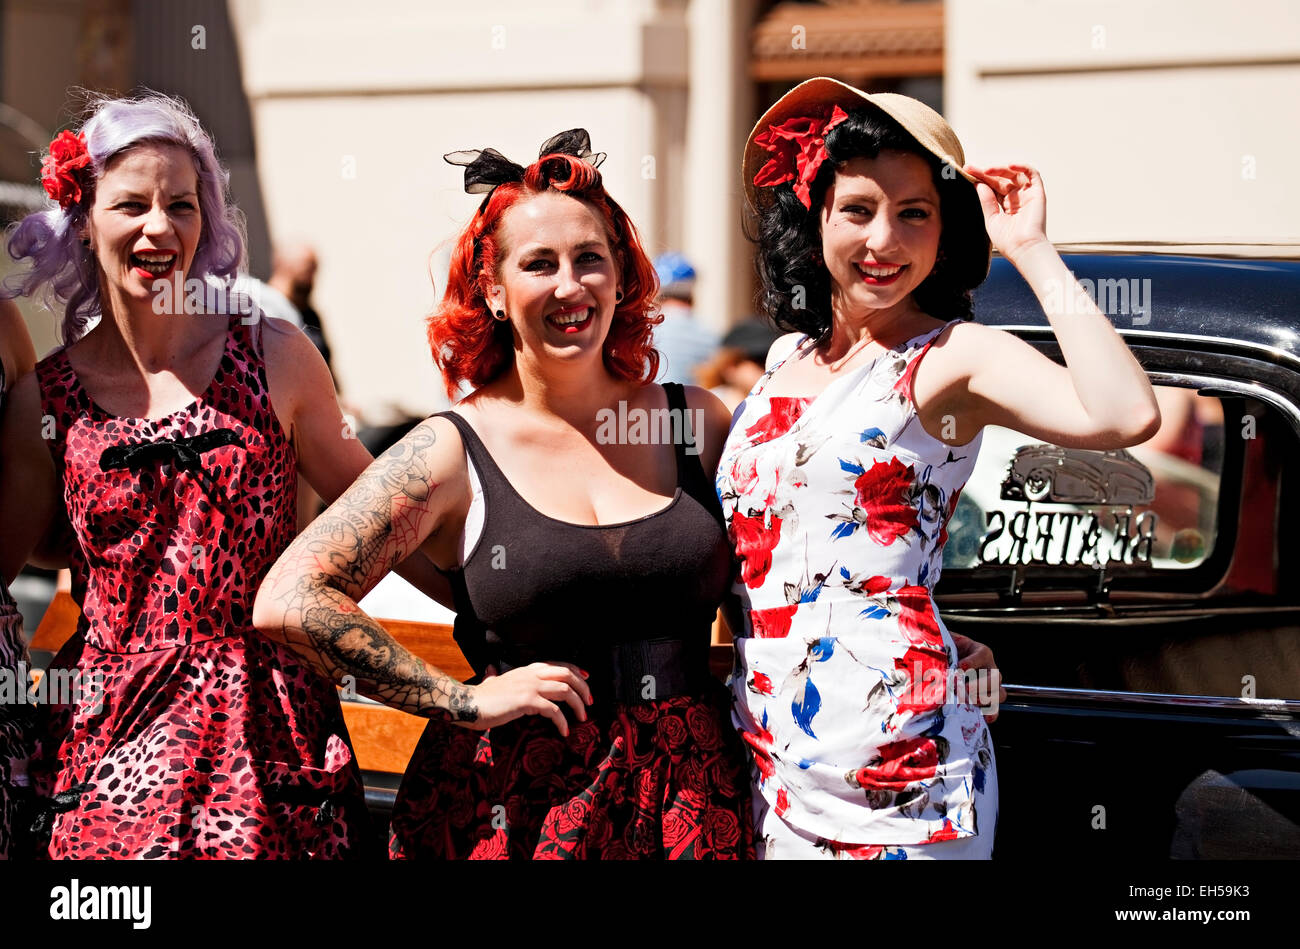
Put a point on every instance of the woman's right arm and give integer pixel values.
(309, 599)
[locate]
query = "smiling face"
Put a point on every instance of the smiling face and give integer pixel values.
(145, 222)
(880, 231)
(557, 276)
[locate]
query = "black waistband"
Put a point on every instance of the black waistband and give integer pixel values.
(637, 672)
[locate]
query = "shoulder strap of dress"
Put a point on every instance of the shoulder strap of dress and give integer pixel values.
(691, 476)
(62, 397)
(490, 476)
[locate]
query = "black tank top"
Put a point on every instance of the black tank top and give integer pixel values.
(537, 589)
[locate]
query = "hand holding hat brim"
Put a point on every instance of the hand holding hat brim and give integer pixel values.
(1014, 203)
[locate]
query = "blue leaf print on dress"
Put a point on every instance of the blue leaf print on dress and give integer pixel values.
(874, 436)
(844, 530)
(875, 612)
(807, 703)
(822, 649)
(807, 700)
(852, 467)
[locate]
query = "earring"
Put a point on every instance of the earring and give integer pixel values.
(618, 296)
(500, 315)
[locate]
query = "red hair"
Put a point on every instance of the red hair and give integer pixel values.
(470, 346)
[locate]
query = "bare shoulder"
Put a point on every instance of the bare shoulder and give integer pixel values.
(295, 370)
(964, 348)
(716, 413)
(283, 343)
(433, 446)
(717, 424)
(969, 333)
(781, 348)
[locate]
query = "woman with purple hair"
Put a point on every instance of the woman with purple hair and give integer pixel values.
(158, 452)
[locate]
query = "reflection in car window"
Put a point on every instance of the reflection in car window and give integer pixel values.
(1151, 506)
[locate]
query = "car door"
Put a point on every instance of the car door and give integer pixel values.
(1151, 650)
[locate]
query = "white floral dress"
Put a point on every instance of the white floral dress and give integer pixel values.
(845, 682)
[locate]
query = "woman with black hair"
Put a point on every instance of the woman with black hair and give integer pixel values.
(846, 461)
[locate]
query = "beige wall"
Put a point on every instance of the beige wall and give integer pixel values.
(1159, 120)
(39, 66)
(353, 107)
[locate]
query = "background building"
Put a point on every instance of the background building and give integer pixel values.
(1160, 121)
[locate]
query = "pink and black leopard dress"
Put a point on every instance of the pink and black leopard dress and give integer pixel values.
(15, 715)
(188, 734)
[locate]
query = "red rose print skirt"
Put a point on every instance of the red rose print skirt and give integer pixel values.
(665, 780)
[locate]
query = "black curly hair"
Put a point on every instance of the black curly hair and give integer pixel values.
(789, 235)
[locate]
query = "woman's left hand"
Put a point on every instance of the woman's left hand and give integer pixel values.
(973, 655)
(1014, 205)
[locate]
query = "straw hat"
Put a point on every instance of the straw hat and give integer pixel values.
(818, 96)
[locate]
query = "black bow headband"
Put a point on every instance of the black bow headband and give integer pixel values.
(487, 168)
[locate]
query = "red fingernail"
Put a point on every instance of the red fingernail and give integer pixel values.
(585, 674)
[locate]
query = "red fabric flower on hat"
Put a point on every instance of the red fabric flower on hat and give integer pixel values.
(798, 148)
(63, 169)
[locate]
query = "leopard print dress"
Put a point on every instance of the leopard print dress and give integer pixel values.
(186, 733)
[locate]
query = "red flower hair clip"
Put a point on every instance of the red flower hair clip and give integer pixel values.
(798, 148)
(63, 169)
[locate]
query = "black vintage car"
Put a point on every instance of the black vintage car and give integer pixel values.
(1151, 651)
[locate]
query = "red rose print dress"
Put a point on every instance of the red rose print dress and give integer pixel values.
(192, 735)
(15, 715)
(844, 688)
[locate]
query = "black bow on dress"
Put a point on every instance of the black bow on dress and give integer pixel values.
(487, 168)
(185, 453)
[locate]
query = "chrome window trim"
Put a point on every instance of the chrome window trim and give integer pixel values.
(1152, 698)
(1254, 389)
(1283, 355)
(1125, 616)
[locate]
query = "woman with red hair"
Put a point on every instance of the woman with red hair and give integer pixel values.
(589, 557)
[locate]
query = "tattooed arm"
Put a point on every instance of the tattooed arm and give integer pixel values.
(413, 492)
(330, 456)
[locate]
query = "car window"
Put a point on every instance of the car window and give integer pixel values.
(1151, 507)
(1197, 607)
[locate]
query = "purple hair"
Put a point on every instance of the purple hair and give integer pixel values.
(52, 238)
